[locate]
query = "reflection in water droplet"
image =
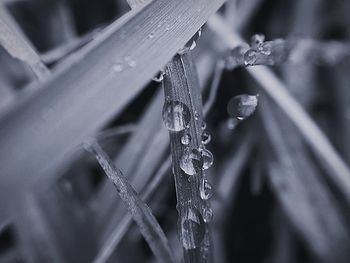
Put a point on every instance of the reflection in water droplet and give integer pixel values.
(205, 189)
(192, 229)
(191, 161)
(176, 115)
(186, 139)
(242, 106)
(250, 57)
(207, 214)
(159, 77)
(206, 138)
(208, 159)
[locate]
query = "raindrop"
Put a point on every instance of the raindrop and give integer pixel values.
(151, 35)
(242, 106)
(250, 57)
(256, 40)
(176, 116)
(192, 229)
(196, 115)
(265, 48)
(206, 138)
(117, 67)
(207, 159)
(207, 214)
(159, 77)
(205, 190)
(186, 139)
(167, 27)
(131, 62)
(191, 161)
(191, 44)
(204, 125)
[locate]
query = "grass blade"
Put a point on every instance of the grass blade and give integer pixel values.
(140, 212)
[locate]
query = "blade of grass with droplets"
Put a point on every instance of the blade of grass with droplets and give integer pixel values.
(140, 212)
(182, 93)
(337, 169)
(84, 89)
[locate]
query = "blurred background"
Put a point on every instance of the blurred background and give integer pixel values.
(275, 198)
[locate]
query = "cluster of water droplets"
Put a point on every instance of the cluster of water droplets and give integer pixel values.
(258, 52)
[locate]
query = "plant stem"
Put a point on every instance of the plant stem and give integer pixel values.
(181, 85)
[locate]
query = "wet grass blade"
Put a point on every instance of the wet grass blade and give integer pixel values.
(140, 212)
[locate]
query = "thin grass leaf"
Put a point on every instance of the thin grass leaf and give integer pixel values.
(140, 212)
(182, 115)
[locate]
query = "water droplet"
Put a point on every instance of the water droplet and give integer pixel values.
(196, 115)
(192, 229)
(250, 57)
(117, 67)
(256, 40)
(205, 189)
(131, 62)
(176, 116)
(151, 35)
(191, 44)
(159, 77)
(207, 214)
(242, 106)
(206, 138)
(191, 161)
(186, 139)
(204, 125)
(208, 159)
(167, 27)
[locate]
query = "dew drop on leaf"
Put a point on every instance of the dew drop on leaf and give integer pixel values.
(186, 139)
(256, 40)
(204, 125)
(192, 229)
(242, 106)
(208, 159)
(176, 115)
(205, 189)
(159, 77)
(191, 161)
(206, 138)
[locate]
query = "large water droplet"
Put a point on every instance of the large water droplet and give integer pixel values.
(176, 116)
(205, 189)
(186, 139)
(191, 161)
(159, 77)
(207, 214)
(206, 138)
(192, 229)
(242, 106)
(208, 159)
